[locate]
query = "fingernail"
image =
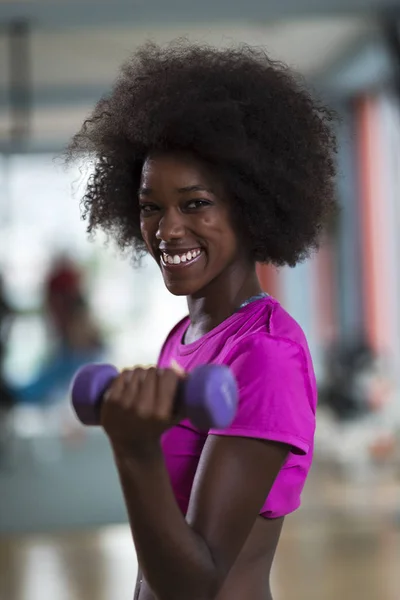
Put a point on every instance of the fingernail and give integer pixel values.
(177, 368)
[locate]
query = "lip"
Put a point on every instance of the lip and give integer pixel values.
(182, 265)
(179, 250)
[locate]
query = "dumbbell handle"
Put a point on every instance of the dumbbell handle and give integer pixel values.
(207, 396)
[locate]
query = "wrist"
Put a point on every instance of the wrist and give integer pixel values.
(137, 451)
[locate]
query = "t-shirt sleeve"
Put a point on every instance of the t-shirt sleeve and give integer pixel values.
(276, 397)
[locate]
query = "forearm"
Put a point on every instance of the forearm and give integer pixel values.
(175, 561)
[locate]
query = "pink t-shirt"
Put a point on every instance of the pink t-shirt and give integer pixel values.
(269, 356)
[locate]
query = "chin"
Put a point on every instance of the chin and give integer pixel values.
(182, 288)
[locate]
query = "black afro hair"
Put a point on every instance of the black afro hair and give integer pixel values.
(248, 116)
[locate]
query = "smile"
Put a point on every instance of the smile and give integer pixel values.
(173, 261)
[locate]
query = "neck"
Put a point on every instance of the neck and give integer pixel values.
(221, 299)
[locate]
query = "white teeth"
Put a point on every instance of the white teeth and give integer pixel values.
(176, 259)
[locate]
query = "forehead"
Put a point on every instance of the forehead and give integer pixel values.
(175, 170)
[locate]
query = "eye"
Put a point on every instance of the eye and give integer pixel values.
(197, 204)
(147, 208)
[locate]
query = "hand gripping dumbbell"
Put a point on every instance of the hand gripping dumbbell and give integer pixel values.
(208, 396)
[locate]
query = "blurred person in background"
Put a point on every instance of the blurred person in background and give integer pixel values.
(74, 337)
(358, 399)
(212, 161)
(352, 373)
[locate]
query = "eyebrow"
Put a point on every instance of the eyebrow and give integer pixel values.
(145, 191)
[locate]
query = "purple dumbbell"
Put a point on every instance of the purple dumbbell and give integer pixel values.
(208, 395)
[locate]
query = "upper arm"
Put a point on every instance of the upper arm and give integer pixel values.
(277, 396)
(233, 479)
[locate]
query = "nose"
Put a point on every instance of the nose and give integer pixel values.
(171, 226)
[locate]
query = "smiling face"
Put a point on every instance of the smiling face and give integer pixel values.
(185, 223)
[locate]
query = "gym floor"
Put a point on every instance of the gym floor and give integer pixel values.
(344, 543)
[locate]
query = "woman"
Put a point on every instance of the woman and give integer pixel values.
(212, 161)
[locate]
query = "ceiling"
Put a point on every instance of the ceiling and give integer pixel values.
(92, 13)
(73, 59)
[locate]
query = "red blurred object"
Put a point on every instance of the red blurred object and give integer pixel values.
(63, 291)
(65, 278)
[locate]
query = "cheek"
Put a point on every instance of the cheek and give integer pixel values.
(143, 230)
(225, 238)
(146, 232)
(147, 240)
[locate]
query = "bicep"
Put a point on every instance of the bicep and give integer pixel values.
(232, 481)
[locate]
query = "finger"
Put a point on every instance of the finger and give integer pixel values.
(114, 398)
(146, 396)
(116, 390)
(132, 385)
(167, 385)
